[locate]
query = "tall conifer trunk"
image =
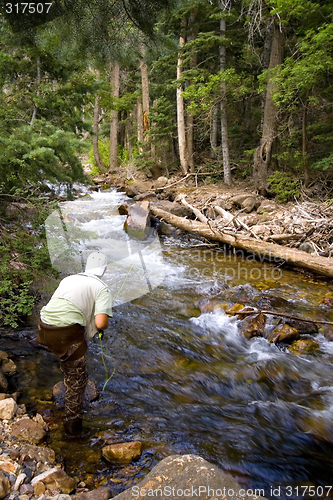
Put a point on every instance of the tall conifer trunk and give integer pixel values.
(183, 153)
(263, 154)
(115, 70)
(223, 105)
(97, 157)
(145, 100)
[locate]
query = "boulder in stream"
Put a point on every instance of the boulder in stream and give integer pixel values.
(137, 224)
(254, 326)
(189, 476)
(8, 408)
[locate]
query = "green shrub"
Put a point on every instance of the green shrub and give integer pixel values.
(283, 186)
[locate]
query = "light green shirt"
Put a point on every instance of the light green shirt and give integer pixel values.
(70, 314)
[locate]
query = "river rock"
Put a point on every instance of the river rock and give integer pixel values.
(3, 382)
(26, 489)
(29, 430)
(122, 453)
(101, 493)
(185, 474)
(8, 408)
(304, 346)
(38, 453)
(59, 390)
(304, 327)
(245, 201)
(8, 465)
(137, 224)
(8, 367)
(283, 333)
(253, 326)
(55, 478)
(137, 188)
(4, 485)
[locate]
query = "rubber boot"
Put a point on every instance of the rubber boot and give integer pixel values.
(73, 428)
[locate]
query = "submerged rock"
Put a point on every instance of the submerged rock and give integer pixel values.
(122, 453)
(101, 493)
(304, 346)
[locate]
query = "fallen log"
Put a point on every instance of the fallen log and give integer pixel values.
(262, 250)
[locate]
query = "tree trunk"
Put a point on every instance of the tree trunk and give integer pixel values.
(223, 106)
(115, 70)
(183, 153)
(145, 101)
(139, 122)
(263, 154)
(257, 248)
(304, 146)
(213, 138)
(189, 114)
(97, 157)
(34, 113)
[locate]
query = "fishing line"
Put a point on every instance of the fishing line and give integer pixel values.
(100, 335)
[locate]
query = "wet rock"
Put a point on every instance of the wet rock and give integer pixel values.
(122, 452)
(59, 390)
(327, 301)
(101, 493)
(3, 355)
(55, 478)
(19, 480)
(283, 333)
(26, 489)
(328, 333)
(8, 408)
(8, 367)
(137, 224)
(304, 346)
(8, 465)
(29, 430)
(209, 305)
(235, 309)
(304, 327)
(39, 488)
(187, 473)
(165, 229)
(38, 453)
(4, 485)
(3, 382)
(253, 326)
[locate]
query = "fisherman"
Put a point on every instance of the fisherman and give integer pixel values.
(78, 309)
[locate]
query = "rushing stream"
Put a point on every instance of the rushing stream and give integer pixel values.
(187, 381)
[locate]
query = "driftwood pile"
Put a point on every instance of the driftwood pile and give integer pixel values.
(298, 234)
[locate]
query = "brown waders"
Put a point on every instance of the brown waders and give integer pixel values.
(69, 345)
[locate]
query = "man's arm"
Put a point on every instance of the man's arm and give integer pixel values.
(101, 321)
